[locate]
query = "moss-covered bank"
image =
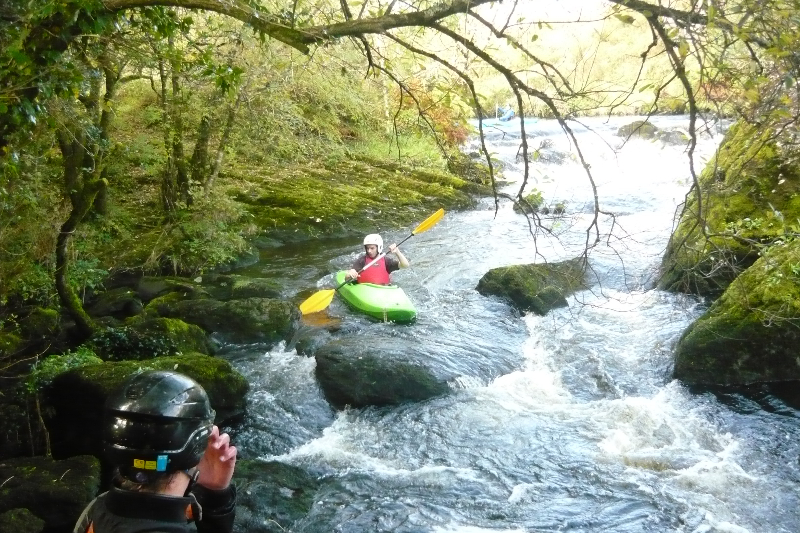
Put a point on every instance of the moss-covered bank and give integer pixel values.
(748, 197)
(751, 333)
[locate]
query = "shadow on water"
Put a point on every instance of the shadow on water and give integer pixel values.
(779, 398)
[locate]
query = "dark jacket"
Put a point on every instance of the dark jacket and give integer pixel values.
(124, 511)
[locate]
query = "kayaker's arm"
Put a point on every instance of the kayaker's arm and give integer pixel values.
(393, 249)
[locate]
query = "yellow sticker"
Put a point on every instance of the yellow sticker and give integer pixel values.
(150, 465)
(138, 463)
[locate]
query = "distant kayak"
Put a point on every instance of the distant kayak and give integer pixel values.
(387, 303)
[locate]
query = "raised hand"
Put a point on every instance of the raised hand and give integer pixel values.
(216, 466)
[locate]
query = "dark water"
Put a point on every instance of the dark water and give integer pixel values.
(568, 422)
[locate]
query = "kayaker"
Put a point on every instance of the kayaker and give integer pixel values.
(173, 468)
(379, 272)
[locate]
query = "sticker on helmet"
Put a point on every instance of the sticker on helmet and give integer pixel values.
(138, 463)
(161, 463)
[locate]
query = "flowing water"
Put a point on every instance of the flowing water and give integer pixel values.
(567, 422)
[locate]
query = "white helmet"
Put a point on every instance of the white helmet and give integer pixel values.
(374, 238)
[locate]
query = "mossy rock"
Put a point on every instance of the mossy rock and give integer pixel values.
(535, 287)
(10, 342)
(120, 303)
(40, 322)
(638, 128)
(673, 137)
(149, 338)
(473, 169)
(751, 333)
(150, 287)
(750, 197)
(21, 521)
(75, 398)
(235, 287)
(272, 496)
(54, 491)
(361, 379)
(245, 320)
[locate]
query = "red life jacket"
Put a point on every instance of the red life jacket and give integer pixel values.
(376, 274)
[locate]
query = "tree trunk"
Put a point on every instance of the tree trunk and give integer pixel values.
(168, 190)
(82, 200)
(229, 121)
(199, 163)
(179, 158)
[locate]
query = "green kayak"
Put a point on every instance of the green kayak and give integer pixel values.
(387, 303)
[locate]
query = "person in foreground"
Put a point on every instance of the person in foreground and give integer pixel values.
(379, 272)
(173, 468)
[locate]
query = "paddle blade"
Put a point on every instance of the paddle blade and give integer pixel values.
(317, 301)
(429, 222)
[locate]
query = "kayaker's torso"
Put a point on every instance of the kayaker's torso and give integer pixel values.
(377, 273)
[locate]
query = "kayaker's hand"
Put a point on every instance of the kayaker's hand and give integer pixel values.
(351, 274)
(392, 248)
(217, 464)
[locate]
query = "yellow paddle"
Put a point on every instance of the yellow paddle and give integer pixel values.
(322, 299)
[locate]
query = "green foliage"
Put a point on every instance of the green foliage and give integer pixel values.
(44, 371)
(118, 344)
(34, 285)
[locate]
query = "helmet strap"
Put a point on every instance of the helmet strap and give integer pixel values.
(193, 474)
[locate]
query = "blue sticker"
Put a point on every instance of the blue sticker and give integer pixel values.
(161, 463)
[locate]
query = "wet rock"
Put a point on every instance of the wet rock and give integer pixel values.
(673, 137)
(75, 399)
(750, 334)
(639, 128)
(55, 492)
(271, 496)
(534, 287)
(349, 376)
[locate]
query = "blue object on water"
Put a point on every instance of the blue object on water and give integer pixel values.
(508, 113)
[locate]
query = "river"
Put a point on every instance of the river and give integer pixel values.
(567, 422)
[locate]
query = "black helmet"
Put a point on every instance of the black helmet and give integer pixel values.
(157, 422)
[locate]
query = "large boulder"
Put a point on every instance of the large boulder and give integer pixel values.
(358, 378)
(40, 323)
(151, 287)
(121, 302)
(56, 492)
(751, 333)
(750, 196)
(245, 320)
(234, 287)
(148, 338)
(271, 496)
(535, 287)
(75, 399)
(638, 128)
